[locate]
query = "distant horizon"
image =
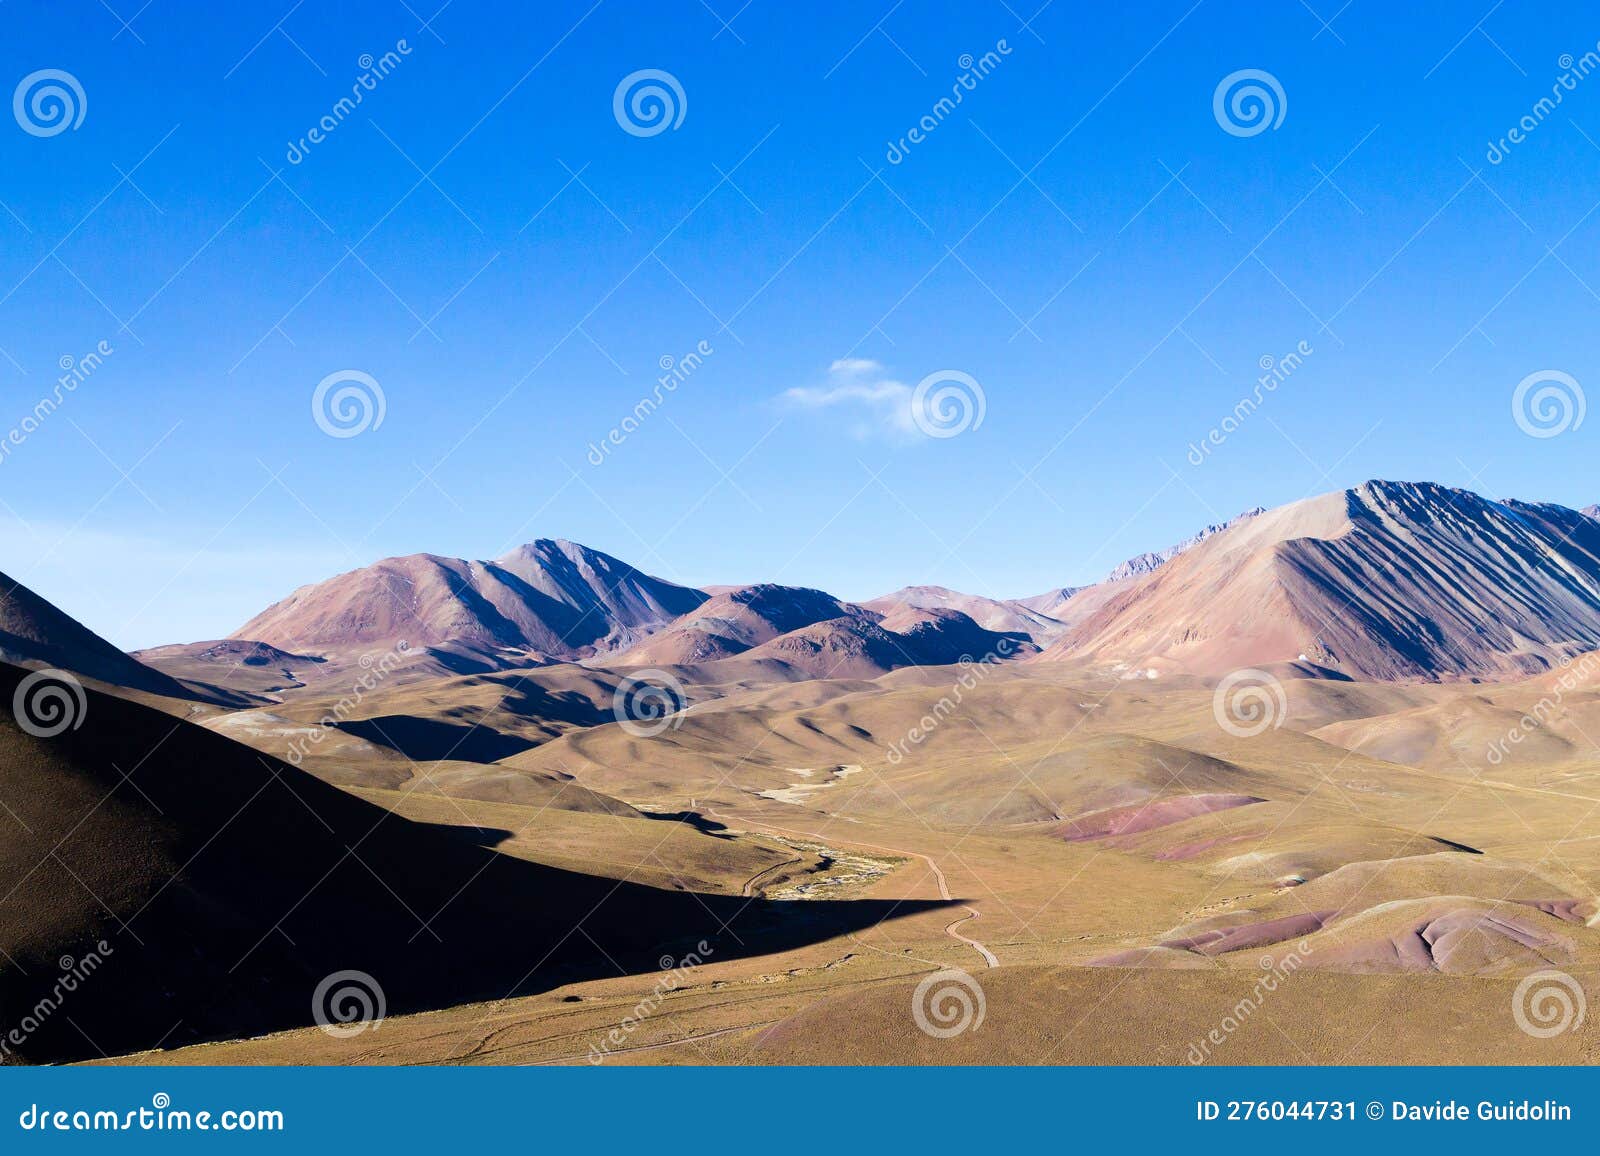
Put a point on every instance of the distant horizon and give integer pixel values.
(846, 594)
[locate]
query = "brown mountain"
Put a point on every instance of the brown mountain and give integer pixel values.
(1051, 602)
(252, 668)
(737, 621)
(1010, 616)
(1390, 580)
(866, 646)
(548, 599)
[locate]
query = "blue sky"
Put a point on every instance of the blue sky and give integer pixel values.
(1080, 237)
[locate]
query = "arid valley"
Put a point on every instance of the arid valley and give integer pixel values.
(1316, 786)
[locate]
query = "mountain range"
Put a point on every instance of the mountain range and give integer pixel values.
(1387, 581)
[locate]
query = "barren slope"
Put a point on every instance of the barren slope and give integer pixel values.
(1387, 581)
(549, 598)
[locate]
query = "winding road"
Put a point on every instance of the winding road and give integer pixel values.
(989, 958)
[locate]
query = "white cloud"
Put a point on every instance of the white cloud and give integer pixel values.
(881, 405)
(855, 365)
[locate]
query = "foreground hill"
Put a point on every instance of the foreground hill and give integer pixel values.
(1387, 581)
(34, 632)
(226, 886)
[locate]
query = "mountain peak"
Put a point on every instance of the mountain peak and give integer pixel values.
(1383, 581)
(551, 596)
(1384, 491)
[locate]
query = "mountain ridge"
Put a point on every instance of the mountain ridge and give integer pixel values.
(1387, 580)
(550, 600)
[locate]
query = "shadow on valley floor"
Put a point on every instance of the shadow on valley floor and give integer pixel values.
(475, 836)
(694, 819)
(425, 740)
(163, 885)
